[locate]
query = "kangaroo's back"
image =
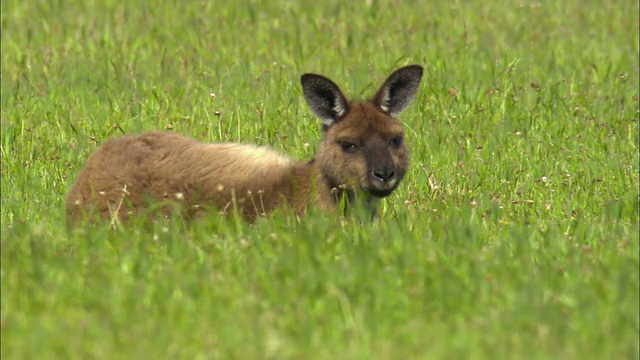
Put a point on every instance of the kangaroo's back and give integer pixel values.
(127, 173)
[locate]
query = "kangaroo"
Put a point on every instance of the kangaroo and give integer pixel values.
(362, 158)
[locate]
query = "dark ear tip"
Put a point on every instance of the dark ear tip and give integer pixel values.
(307, 78)
(416, 69)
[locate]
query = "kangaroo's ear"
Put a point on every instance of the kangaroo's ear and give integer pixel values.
(399, 89)
(324, 98)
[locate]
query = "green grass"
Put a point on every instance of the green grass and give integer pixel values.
(514, 235)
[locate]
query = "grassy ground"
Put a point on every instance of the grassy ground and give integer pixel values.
(515, 234)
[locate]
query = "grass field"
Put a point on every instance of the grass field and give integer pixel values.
(513, 236)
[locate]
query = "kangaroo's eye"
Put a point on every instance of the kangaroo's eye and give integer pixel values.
(348, 147)
(396, 142)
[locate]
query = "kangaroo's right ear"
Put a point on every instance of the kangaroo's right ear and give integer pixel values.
(399, 89)
(324, 98)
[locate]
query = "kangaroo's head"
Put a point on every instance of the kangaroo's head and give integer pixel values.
(363, 147)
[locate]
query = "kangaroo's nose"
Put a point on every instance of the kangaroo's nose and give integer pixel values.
(383, 173)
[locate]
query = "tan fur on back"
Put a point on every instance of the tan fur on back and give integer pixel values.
(129, 172)
(246, 159)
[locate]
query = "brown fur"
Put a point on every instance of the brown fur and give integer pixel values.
(362, 154)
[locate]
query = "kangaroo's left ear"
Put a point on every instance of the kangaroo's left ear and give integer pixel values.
(324, 98)
(399, 89)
